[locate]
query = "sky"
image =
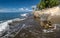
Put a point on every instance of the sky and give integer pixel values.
(17, 5)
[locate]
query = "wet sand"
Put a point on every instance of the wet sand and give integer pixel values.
(32, 29)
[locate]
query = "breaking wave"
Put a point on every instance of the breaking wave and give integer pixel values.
(24, 15)
(4, 26)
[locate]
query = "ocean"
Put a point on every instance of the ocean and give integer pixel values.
(5, 18)
(9, 16)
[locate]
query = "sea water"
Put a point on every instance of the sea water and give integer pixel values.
(8, 17)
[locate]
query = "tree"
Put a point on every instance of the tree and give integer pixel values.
(53, 3)
(47, 4)
(41, 5)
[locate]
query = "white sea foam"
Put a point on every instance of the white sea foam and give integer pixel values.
(1, 21)
(4, 26)
(24, 14)
(47, 31)
(18, 19)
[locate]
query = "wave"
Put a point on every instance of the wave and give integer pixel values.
(18, 19)
(5, 27)
(24, 15)
(1, 21)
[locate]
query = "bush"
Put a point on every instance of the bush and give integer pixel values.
(47, 4)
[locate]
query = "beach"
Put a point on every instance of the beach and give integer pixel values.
(32, 29)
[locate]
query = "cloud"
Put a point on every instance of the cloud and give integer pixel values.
(15, 10)
(24, 9)
(34, 6)
(21, 9)
(8, 10)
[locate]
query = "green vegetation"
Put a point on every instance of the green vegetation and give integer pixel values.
(47, 4)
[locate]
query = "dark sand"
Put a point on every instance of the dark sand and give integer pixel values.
(32, 29)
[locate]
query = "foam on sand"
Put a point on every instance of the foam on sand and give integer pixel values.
(47, 31)
(18, 19)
